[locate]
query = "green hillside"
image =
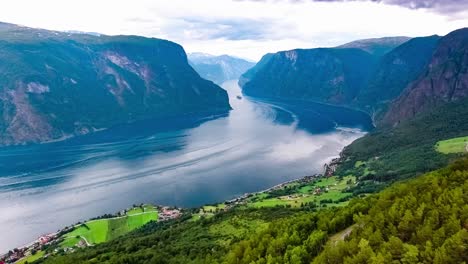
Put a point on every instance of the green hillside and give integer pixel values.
(421, 220)
(404, 151)
(103, 230)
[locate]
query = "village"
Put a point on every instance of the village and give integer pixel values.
(37, 249)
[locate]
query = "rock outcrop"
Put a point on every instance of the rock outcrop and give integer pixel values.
(444, 80)
(56, 85)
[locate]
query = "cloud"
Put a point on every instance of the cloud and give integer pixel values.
(439, 6)
(234, 29)
(246, 28)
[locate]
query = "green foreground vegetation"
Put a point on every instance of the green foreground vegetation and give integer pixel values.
(317, 193)
(422, 220)
(103, 230)
(454, 145)
(389, 154)
(32, 258)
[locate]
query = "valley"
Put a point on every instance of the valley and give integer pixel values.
(258, 145)
(347, 142)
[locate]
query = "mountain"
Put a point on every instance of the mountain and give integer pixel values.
(376, 46)
(327, 219)
(248, 75)
(368, 74)
(392, 153)
(55, 84)
(395, 71)
(324, 74)
(331, 75)
(444, 80)
(219, 69)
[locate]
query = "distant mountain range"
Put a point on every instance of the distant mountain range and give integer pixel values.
(376, 46)
(397, 73)
(56, 84)
(219, 68)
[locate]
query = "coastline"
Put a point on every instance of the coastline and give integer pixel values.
(321, 165)
(330, 165)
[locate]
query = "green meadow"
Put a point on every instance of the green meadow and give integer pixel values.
(454, 145)
(32, 258)
(332, 192)
(103, 230)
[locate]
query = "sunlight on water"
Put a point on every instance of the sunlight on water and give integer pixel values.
(176, 162)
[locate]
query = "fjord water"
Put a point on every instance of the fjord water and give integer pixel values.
(184, 161)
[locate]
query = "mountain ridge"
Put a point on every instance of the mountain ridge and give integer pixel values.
(376, 46)
(219, 69)
(329, 71)
(58, 85)
(445, 80)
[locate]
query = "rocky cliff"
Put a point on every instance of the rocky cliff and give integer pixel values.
(444, 80)
(57, 84)
(323, 74)
(395, 71)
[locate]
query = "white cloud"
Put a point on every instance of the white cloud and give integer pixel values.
(243, 28)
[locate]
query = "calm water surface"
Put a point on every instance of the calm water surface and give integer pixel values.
(185, 162)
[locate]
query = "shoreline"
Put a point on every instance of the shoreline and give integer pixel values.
(241, 196)
(235, 200)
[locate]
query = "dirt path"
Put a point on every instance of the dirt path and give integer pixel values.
(87, 243)
(466, 147)
(342, 235)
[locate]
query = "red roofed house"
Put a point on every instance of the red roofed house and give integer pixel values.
(44, 239)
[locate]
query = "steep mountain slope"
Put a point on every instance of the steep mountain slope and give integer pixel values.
(56, 84)
(218, 68)
(331, 75)
(391, 153)
(326, 75)
(395, 71)
(444, 80)
(248, 75)
(376, 46)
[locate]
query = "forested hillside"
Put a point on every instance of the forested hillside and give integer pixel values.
(423, 220)
(56, 85)
(393, 153)
(324, 74)
(394, 71)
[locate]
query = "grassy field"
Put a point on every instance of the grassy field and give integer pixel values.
(135, 210)
(331, 189)
(102, 230)
(454, 145)
(208, 211)
(213, 208)
(32, 258)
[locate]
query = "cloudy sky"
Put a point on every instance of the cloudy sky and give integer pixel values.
(245, 28)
